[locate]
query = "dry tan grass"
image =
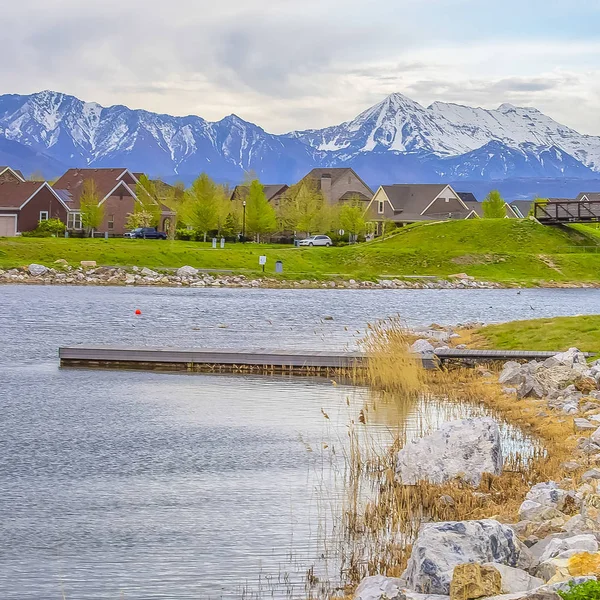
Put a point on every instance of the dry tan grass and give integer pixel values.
(379, 531)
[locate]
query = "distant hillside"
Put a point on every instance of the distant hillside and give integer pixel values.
(395, 141)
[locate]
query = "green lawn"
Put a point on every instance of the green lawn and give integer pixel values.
(504, 250)
(559, 333)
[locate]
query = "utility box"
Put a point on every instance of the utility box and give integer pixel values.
(214, 241)
(278, 267)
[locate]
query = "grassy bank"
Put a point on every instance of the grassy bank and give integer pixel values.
(504, 250)
(559, 333)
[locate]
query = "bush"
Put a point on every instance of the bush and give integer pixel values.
(47, 229)
(590, 590)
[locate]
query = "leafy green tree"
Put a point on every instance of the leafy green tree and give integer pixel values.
(352, 218)
(148, 209)
(260, 215)
(223, 208)
(200, 202)
(303, 208)
(540, 201)
(92, 212)
(494, 206)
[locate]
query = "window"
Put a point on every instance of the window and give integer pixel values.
(111, 222)
(381, 208)
(447, 200)
(43, 215)
(74, 220)
(349, 179)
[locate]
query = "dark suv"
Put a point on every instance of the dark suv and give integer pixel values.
(146, 233)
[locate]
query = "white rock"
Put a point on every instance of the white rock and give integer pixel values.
(582, 424)
(516, 580)
(511, 374)
(570, 409)
(422, 347)
(581, 543)
(595, 437)
(148, 272)
(37, 270)
(378, 587)
(187, 271)
(464, 449)
(129, 278)
(88, 264)
(440, 547)
(570, 358)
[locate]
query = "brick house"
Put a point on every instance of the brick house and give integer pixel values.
(24, 204)
(116, 190)
(340, 185)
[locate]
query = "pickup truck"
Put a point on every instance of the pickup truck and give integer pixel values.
(146, 233)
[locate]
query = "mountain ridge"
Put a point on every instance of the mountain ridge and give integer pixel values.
(395, 141)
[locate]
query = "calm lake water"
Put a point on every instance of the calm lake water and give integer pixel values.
(146, 485)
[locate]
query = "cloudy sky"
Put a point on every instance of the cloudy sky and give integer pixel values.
(295, 64)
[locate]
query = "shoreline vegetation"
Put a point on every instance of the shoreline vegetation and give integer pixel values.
(479, 253)
(549, 502)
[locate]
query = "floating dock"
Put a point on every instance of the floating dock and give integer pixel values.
(262, 361)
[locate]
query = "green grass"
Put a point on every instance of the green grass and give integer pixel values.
(505, 250)
(590, 590)
(559, 333)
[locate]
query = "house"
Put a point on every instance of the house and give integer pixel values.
(410, 203)
(274, 192)
(340, 185)
(477, 210)
(24, 204)
(8, 174)
(521, 208)
(588, 197)
(116, 192)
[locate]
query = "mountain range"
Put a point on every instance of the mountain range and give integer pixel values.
(395, 141)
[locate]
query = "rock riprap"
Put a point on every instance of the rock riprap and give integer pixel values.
(440, 547)
(464, 449)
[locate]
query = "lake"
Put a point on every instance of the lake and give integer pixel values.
(149, 485)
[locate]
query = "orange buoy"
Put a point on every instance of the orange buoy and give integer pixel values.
(138, 311)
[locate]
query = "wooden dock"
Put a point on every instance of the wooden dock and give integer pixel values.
(263, 361)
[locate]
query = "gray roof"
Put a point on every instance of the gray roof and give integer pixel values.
(522, 206)
(591, 196)
(412, 199)
(474, 206)
(467, 197)
(270, 189)
(335, 174)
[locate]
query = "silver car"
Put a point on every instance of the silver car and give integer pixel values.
(316, 240)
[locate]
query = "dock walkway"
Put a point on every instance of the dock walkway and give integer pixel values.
(261, 361)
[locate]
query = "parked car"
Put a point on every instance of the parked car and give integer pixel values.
(316, 240)
(147, 233)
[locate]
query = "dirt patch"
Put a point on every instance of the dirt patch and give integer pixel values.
(549, 262)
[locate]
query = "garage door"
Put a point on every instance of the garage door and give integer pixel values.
(8, 226)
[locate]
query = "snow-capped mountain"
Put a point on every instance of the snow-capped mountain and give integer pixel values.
(397, 140)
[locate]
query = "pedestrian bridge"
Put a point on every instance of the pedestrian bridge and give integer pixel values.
(567, 211)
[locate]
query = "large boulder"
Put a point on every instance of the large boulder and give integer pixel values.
(579, 543)
(440, 547)
(465, 449)
(571, 358)
(471, 581)
(36, 270)
(187, 271)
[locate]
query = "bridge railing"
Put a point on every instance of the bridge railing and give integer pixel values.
(567, 211)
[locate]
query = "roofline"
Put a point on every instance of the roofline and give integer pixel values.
(386, 198)
(132, 175)
(43, 185)
(512, 210)
(13, 172)
(440, 193)
(116, 186)
(473, 212)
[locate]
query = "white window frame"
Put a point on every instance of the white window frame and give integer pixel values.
(74, 221)
(42, 213)
(381, 207)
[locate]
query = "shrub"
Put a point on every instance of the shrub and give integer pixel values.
(47, 229)
(590, 590)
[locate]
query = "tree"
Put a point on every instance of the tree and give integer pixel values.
(540, 202)
(200, 202)
(223, 208)
(260, 215)
(494, 206)
(146, 211)
(92, 212)
(352, 218)
(303, 208)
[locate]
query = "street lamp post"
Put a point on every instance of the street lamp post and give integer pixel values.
(244, 222)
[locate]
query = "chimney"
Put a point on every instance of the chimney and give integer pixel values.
(326, 187)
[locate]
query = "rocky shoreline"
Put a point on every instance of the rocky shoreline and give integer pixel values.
(88, 273)
(555, 543)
